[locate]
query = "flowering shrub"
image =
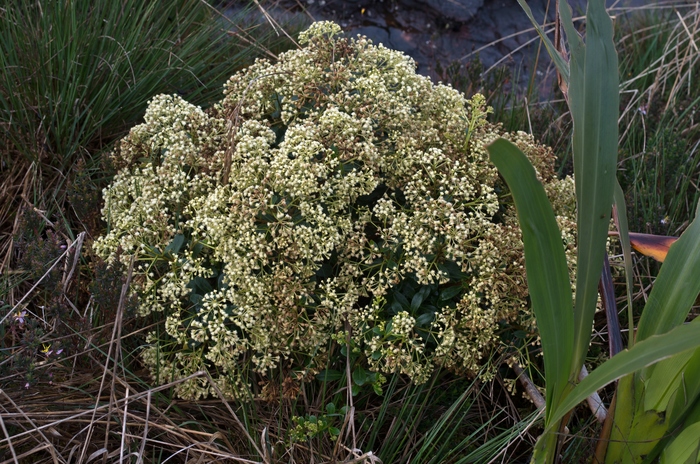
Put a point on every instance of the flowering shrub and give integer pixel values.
(332, 200)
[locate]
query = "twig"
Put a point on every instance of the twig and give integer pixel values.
(41, 214)
(595, 403)
(362, 457)
(120, 307)
(27, 454)
(105, 406)
(28, 419)
(252, 43)
(123, 438)
(274, 23)
(9, 441)
(145, 429)
(79, 245)
(530, 388)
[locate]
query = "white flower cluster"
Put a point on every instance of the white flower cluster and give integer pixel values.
(332, 195)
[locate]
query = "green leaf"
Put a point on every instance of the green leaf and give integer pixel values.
(197, 249)
(676, 287)
(623, 229)
(559, 62)
(642, 354)
(594, 101)
(201, 284)
(221, 283)
(402, 300)
(453, 270)
(663, 379)
(359, 376)
(624, 415)
(545, 265)
(684, 448)
(448, 293)
(152, 251)
(688, 395)
(425, 319)
(419, 297)
(689, 417)
(175, 245)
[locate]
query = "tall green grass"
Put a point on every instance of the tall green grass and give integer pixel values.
(659, 156)
(78, 74)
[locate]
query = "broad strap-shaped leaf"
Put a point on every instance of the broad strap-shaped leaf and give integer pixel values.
(663, 379)
(545, 265)
(654, 246)
(623, 415)
(594, 103)
(678, 438)
(683, 411)
(688, 395)
(676, 287)
(684, 448)
(642, 354)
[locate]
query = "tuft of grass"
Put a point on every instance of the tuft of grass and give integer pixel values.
(77, 75)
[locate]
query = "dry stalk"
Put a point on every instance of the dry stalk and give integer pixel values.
(348, 374)
(233, 414)
(115, 331)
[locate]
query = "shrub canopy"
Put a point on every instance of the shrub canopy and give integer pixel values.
(332, 200)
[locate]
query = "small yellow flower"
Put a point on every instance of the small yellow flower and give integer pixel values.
(45, 348)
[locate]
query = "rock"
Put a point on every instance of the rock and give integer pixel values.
(444, 31)
(391, 37)
(456, 10)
